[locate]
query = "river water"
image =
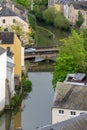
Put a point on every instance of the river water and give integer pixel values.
(37, 110)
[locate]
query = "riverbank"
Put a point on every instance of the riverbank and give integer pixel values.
(39, 67)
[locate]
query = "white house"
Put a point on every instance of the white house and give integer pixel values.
(2, 77)
(70, 100)
(8, 17)
(7, 77)
(66, 10)
(10, 72)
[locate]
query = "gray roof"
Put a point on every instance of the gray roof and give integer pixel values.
(7, 12)
(6, 37)
(2, 50)
(64, 1)
(76, 123)
(80, 5)
(68, 96)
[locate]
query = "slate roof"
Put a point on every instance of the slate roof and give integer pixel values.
(7, 12)
(76, 123)
(80, 5)
(6, 37)
(68, 96)
(64, 1)
(2, 50)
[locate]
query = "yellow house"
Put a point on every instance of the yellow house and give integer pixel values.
(57, 7)
(9, 40)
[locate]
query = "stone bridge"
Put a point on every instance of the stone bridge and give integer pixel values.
(42, 53)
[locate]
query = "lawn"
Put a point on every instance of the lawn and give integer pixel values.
(43, 38)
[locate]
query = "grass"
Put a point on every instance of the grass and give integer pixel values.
(43, 38)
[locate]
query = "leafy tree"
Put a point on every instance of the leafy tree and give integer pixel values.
(71, 57)
(61, 22)
(80, 19)
(24, 3)
(38, 7)
(49, 15)
(52, 16)
(17, 28)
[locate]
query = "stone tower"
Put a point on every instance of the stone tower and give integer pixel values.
(51, 3)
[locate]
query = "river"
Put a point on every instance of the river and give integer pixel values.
(37, 110)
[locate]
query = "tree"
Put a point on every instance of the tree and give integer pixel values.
(38, 7)
(61, 22)
(56, 18)
(49, 15)
(80, 19)
(24, 36)
(24, 3)
(71, 57)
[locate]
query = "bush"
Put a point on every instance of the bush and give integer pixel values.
(26, 85)
(15, 100)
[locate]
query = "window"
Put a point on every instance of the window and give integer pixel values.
(3, 20)
(73, 113)
(61, 111)
(13, 20)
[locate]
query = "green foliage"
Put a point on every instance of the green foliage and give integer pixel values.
(61, 22)
(32, 20)
(24, 3)
(49, 15)
(38, 7)
(26, 85)
(85, 38)
(15, 100)
(80, 19)
(17, 27)
(56, 18)
(71, 57)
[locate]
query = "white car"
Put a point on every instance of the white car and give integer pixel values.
(30, 50)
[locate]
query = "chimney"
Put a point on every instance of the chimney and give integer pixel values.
(13, 7)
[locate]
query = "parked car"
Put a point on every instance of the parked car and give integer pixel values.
(30, 50)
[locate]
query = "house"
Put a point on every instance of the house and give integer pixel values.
(51, 3)
(8, 16)
(9, 40)
(71, 11)
(55, 4)
(77, 123)
(69, 101)
(2, 77)
(10, 71)
(7, 77)
(18, 9)
(9, 88)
